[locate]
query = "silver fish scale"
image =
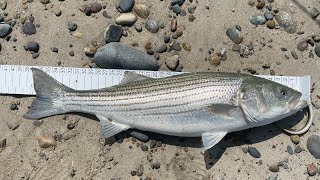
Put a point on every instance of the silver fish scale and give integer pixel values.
(172, 95)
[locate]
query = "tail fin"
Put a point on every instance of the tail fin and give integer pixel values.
(49, 92)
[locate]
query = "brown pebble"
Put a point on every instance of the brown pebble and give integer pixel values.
(141, 10)
(90, 51)
(173, 26)
(162, 49)
(3, 143)
(186, 46)
(176, 46)
(214, 60)
(274, 168)
(261, 4)
(272, 72)
(46, 141)
(179, 32)
(295, 139)
(148, 45)
(71, 53)
(191, 18)
(312, 169)
(271, 24)
(95, 7)
(294, 55)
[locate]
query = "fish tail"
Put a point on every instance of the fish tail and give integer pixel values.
(49, 94)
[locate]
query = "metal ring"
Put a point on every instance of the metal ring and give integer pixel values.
(307, 126)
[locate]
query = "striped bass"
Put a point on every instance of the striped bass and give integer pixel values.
(202, 104)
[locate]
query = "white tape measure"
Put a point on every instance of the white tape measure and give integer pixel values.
(15, 79)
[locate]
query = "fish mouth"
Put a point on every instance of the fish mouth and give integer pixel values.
(296, 104)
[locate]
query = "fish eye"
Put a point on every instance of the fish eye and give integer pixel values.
(283, 92)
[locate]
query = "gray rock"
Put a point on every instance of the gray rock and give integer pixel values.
(254, 152)
(118, 56)
(172, 62)
(289, 150)
(166, 38)
(273, 177)
(313, 145)
(314, 13)
(268, 15)
(138, 27)
(113, 33)
(317, 49)
(1, 18)
(29, 28)
(72, 26)
(298, 149)
(152, 26)
(234, 34)
(178, 2)
(301, 46)
(176, 9)
(3, 4)
(5, 29)
(286, 21)
(257, 19)
(176, 46)
(162, 49)
(140, 136)
(191, 9)
(126, 5)
(32, 46)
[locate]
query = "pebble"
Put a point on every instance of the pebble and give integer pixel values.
(266, 65)
(244, 149)
(166, 38)
(29, 28)
(14, 106)
(257, 19)
(314, 13)
(176, 46)
(155, 165)
(1, 18)
(298, 149)
(289, 150)
(313, 145)
(152, 144)
(45, 1)
(268, 15)
(46, 141)
(295, 139)
(271, 24)
(32, 46)
(251, 2)
(272, 72)
(179, 32)
(191, 9)
(78, 34)
(152, 26)
(214, 60)
(274, 168)
(176, 9)
(35, 55)
(186, 46)
(286, 21)
(234, 34)
(294, 55)
(58, 12)
(254, 152)
(172, 62)
(178, 2)
(150, 52)
(140, 170)
(95, 7)
(236, 47)
(141, 10)
(3, 143)
(273, 177)
(118, 56)
(113, 33)
(71, 53)
(148, 45)
(54, 49)
(5, 29)
(261, 4)
(140, 136)
(3, 4)
(90, 50)
(317, 49)
(144, 148)
(301, 46)
(191, 17)
(312, 169)
(162, 49)
(72, 26)
(126, 19)
(105, 14)
(138, 27)
(173, 25)
(71, 126)
(126, 5)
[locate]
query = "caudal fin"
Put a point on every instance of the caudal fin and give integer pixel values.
(49, 93)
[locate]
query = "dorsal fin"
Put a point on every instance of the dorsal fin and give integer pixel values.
(130, 77)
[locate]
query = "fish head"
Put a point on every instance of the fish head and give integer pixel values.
(264, 101)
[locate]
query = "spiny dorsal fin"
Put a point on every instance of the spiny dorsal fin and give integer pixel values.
(130, 77)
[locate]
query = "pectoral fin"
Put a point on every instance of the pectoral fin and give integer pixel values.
(209, 139)
(130, 76)
(222, 109)
(110, 128)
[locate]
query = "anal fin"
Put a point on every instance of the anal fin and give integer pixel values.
(209, 139)
(110, 128)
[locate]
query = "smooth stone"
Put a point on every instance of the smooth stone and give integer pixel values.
(138, 27)
(254, 152)
(289, 150)
(95, 7)
(139, 135)
(173, 25)
(32, 46)
(191, 9)
(286, 21)
(3, 143)
(295, 139)
(1, 18)
(162, 49)
(176, 9)
(271, 24)
(3, 4)
(29, 28)
(298, 149)
(274, 168)
(172, 62)
(257, 20)
(141, 10)
(113, 33)
(301, 46)
(176, 46)
(78, 34)
(186, 46)
(312, 169)
(294, 55)
(317, 49)
(268, 15)
(178, 2)
(126, 5)
(166, 38)
(5, 29)
(118, 56)
(313, 145)
(126, 19)
(179, 32)
(234, 34)
(46, 141)
(45, 1)
(273, 177)
(261, 4)
(314, 13)
(214, 60)
(152, 26)
(72, 26)
(236, 47)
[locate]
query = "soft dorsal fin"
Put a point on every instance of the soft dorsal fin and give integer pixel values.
(130, 77)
